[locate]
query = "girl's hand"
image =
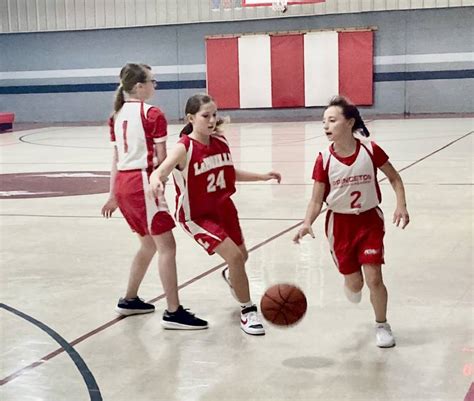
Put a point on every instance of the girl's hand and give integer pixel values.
(157, 186)
(401, 215)
(272, 175)
(305, 229)
(109, 207)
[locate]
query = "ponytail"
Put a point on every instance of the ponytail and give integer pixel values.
(188, 128)
(359, 125)
(220, 122)
(119, 99)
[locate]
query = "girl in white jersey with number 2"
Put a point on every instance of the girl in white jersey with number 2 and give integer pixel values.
(138, 133)
(205, 179)
(345, 178)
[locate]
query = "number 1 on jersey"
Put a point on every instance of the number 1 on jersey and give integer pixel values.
(213, 183)
(124, 130)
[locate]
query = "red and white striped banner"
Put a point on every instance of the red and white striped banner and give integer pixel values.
(300, 70)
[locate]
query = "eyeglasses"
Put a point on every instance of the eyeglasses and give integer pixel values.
(154, 82)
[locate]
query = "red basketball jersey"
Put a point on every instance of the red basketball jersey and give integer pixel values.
(207, 180)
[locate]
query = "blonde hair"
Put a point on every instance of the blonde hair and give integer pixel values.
(130, 75)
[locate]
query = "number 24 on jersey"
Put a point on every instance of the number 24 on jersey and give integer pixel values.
(214, 182)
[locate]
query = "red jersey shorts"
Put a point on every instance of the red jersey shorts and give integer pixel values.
(144, 215)
(211, 230)
(356, 239)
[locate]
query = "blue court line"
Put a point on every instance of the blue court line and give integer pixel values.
(89, 379)
(201, 83)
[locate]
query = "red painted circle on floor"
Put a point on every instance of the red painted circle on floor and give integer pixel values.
(53, 184)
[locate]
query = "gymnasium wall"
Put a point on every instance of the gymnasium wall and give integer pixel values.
(423, 64)
(51, 15)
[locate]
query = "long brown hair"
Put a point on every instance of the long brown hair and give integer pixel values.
(130, 75)
(193, 105)
(350, 111)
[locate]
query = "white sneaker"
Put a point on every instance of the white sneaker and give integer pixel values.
(226, 277)
(353, 297)
(383, 335)
(250, 322)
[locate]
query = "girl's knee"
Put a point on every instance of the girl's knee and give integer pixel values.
(231, 253)
(355, 286)
(147, 250)
(373, 276)
(167, 249)
(165, 243)
(354, 282)
(236, 259)
(374, 282)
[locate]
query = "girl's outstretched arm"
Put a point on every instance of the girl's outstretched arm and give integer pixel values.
(401, 213)
(312, 212)
(241, 175)
(176, 157)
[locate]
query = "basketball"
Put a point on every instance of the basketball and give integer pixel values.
(283, 304)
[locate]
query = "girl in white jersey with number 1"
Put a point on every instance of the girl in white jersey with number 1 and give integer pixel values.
(205, 179)
(345, 177)
(138, 133)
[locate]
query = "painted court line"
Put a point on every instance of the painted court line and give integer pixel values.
(86, 374)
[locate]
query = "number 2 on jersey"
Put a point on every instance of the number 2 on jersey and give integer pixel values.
(356, 195)
(213, 182)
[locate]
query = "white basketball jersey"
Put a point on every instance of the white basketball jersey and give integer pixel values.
(132, 143)
(352, 189)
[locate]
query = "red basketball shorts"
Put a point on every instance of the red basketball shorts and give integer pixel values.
(144, 215)
(356, 239)
(211, 230)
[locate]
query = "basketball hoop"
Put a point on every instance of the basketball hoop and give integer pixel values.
(280, 5)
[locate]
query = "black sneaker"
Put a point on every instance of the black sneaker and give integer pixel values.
(182, 319)
(134, 306)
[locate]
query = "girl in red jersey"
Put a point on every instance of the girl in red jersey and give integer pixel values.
(345, 178)
(138, 133)
(205, 179)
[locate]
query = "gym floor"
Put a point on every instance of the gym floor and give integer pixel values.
(64, 268)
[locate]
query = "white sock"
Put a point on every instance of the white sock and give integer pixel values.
(246, 305)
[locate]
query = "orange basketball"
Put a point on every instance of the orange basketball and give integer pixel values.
(283, 304)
